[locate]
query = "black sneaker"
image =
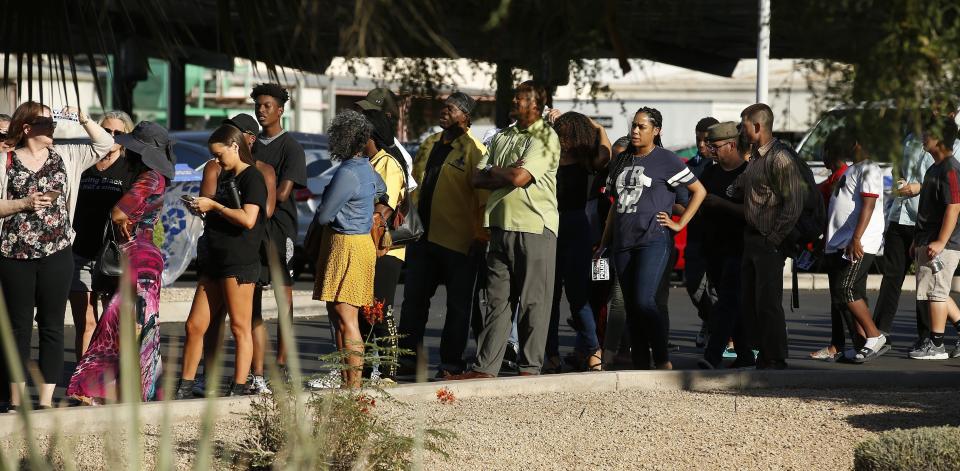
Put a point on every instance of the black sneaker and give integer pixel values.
(239, 390)
(184, 389)
(510, 357)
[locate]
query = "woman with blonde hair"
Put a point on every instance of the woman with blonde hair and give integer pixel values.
(101, 186)
(39, 187)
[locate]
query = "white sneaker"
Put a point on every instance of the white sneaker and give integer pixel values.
(258, 385)
(331, 380)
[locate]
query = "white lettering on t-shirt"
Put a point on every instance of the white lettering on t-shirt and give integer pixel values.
(630, 185)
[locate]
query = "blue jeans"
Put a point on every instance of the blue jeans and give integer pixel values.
(573, 276)
(640, 270)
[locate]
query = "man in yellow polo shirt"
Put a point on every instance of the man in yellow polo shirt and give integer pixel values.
(521, 213)
(452, 213)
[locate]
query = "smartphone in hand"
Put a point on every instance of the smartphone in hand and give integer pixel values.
(52, 195)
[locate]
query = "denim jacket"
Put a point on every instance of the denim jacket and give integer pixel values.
(347, 202)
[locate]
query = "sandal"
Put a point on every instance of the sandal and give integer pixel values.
(866, 354)
(598, 366)
(825, 355)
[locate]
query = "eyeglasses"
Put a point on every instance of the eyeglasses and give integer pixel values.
(115, 132)
(715, 147)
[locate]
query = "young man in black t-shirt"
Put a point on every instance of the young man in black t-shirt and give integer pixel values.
(279, 149)
(936, 246)
(723, 222)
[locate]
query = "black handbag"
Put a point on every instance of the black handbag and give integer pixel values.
(108, 258)
(405, 224)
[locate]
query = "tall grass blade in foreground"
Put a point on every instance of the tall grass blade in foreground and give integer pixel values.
(16, 377)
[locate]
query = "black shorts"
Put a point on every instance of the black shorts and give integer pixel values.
(207, 267)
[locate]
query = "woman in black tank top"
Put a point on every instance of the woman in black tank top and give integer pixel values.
(584, 149)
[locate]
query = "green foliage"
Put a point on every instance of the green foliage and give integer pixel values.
(345, 433)
(929, 448)
(905, 67)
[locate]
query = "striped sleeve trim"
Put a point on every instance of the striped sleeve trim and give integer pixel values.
(683, 176)
(870, 195)
(954, 184)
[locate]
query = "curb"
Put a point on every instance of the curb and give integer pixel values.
(177, 311)
(107, 417)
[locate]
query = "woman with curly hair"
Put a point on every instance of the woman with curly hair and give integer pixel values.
(348, 257)
(584, 149)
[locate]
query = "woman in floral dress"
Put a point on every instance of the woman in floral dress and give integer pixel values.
(38, 190)
(135, 215)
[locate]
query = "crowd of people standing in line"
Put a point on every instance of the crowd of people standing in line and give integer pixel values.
(507, 224)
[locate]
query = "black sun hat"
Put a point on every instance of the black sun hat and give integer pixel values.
(152, 142)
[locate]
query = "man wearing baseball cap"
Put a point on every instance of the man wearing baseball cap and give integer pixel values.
(452, 214)
(382, 99)
(723, 222)
(247, 125)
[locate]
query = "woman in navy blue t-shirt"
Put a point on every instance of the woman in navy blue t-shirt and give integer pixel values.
(643, 181)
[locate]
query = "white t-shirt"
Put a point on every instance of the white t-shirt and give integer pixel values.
(861, 179)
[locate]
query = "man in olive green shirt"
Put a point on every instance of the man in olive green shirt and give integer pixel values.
(520, 169)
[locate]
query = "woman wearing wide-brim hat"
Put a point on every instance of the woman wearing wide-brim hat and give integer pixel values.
(134, 217)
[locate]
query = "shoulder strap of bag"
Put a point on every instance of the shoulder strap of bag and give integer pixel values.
(9, 159)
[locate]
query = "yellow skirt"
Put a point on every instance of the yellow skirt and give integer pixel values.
(345, 269)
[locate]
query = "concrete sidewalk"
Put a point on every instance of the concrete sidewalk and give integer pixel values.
(108, 418)
(177, 311)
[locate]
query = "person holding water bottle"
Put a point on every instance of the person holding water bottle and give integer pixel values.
(39, 187)
(936, 247)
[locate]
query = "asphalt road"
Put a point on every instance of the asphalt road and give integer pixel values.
(808, 326)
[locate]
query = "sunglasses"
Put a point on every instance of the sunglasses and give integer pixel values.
(115, 132)
(44, 121)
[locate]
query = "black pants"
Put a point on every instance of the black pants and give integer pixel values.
(723, 271)
(896, 263)
(428, 266)
(762, 277)
(384, 288)
(43, 283)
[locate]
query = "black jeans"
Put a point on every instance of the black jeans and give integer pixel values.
(896, 263)
(725, 319)
(762, 278)
(44, 284)
(384, 333)
(428, 266)
(694, 273)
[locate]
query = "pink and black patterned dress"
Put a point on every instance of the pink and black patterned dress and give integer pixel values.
(96, 377)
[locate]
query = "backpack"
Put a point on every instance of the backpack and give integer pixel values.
(813, 215)
(809, 227)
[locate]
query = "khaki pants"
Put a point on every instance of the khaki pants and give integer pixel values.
(521, 270)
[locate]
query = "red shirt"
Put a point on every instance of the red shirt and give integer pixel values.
(826, 188)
